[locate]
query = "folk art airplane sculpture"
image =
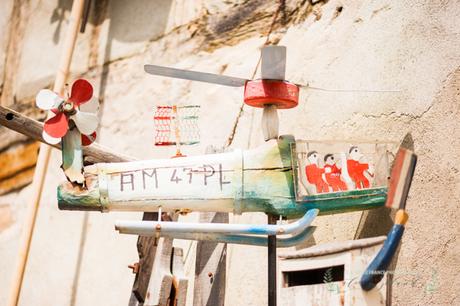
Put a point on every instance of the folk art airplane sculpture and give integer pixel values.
(269, 179)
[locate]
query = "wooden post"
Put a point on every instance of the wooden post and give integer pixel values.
(161, 279)
(44, 155)
(210, 274)
(271, 265)
(146, 248)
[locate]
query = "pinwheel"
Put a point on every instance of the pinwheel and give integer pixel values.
(80, 107)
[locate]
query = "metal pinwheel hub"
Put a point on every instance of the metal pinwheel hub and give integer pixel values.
(68, 108)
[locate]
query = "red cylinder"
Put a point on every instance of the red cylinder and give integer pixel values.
(259, 93)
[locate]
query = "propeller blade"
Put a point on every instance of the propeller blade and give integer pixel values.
(273, 62)
(47, 99)
(82, 91)
(92, 106)
(86, 140)
(195, 76)
(49, 139)
(56, 126)
(85, 122)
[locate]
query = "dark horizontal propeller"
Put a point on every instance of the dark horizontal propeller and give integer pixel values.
(273, 67)
(273, 61)
(195, 76)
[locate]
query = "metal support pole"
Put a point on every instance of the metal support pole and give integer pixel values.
(272, 265)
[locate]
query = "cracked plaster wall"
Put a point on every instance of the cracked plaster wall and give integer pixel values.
(409, 46)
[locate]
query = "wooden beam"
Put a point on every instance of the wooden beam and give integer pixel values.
(32, 128)
(15, 161)
(17, 181)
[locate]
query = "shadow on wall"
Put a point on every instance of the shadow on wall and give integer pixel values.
(378, 222)
(130, 21)
(59, 15)
(138, 20)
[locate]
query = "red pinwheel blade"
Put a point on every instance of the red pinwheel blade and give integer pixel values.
(56, 126)
(82, 91)
(86, 140)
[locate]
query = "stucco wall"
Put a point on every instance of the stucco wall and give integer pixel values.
(409, 46)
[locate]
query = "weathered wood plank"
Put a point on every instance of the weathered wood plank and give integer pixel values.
(180, 281)
(18, 181)
(10, 138)
(20, 158)
(210, 267)
(161, 278)
(146, 248)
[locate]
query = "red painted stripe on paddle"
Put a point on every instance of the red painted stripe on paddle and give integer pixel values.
(395, 177)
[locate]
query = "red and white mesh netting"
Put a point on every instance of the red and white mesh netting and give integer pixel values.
(176, 122)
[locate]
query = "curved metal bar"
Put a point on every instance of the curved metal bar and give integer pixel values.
(249, 240)
(146, 228)
(283, 242)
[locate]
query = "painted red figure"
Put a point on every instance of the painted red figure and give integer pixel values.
(333, 174)
(315, 173)
(356, 169)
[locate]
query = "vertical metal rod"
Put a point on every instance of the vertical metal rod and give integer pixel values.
(272, 265)
(177, 131)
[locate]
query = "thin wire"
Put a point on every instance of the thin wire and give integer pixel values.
(346, 90)
(240, 112)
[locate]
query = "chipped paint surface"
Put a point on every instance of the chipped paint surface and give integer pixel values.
(258, 180)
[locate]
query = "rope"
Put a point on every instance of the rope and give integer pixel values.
(267, 40)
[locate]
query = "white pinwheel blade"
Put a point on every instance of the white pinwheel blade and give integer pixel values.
(47, 99)
(49, 139)
(92, 106)
(273, 62)
(85, 122)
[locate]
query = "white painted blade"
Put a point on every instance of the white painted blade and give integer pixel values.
(195, 76)
(85, 122)
(270, 122)
(47, 99)
(92, 106)
(273, 62)
(49, 139)
(72, 156)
